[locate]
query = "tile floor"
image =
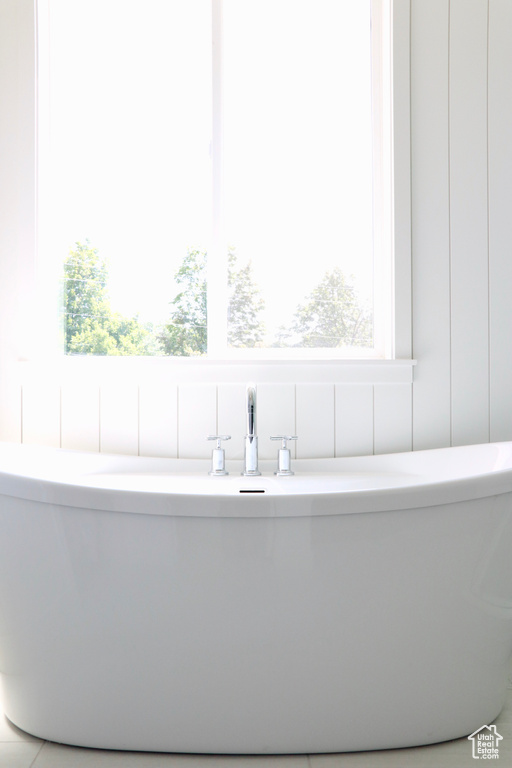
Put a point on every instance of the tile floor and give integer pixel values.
(19, 750)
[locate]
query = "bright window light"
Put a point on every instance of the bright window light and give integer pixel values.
(207, 177)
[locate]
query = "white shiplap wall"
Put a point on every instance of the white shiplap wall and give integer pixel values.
(158, 419)
(461, 94)
(461, 198)
(500, 206)
(430, 190)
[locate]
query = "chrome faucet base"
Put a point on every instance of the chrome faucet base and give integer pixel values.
(284, 457)
(251, 440)
(218, 456)
(251, 456)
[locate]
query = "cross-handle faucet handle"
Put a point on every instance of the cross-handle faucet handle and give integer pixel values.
(218, 455)
(284, 438)
(218, 438)
(283, 454)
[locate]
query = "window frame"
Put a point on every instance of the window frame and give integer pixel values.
(21, 272)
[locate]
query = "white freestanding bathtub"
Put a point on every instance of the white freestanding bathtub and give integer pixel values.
(361, 604)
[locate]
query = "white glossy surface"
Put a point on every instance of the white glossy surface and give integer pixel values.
(367, 483)
(20, 750)
(310, 618)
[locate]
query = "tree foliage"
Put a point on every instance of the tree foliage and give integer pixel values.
(185, 335)
(186, 332)
(245, 328)
(90, 325)
(331, 316)
(85, 292)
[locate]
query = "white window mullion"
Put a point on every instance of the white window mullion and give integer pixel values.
(217, 293)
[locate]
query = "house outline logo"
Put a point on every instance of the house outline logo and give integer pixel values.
(485, 743)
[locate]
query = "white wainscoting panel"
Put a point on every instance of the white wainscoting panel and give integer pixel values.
(315, 420)
(354, 419)
(197, 418)
(155, 419)
(80, 417)
(276, 416)
(231, 418)
(392, 420)
(41, 413)
(158, 420)
(119, 418)
(431, 223)
(468, 221)
(500, 214)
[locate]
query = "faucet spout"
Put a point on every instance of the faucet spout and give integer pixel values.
(251, 411)
(251, 439)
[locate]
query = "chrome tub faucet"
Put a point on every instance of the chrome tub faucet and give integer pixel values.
(251, 439)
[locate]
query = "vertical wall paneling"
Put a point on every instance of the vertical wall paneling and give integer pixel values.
(392, 418)
(158, 420)
(276, 416)
(430, 223)
(20, 320)
(119, 418)
(197, 418)
(500, 208)
(315, 420)
(468, 221)
(41, 413)
(80, 417)
(231, 418)
(354, 419)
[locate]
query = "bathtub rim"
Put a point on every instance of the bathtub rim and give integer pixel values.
(427, 491)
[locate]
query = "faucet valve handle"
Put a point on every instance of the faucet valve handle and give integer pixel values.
(218, 456)
(283, 454)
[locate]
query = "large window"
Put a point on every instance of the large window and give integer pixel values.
(214, 176)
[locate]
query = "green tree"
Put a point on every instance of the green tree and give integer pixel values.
(331, 316)
(186, 332)
(119, 336)
(245, 329)
(90, 326)
(185, 335)
(85, 292)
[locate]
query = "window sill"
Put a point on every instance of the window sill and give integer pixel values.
(199, 370)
